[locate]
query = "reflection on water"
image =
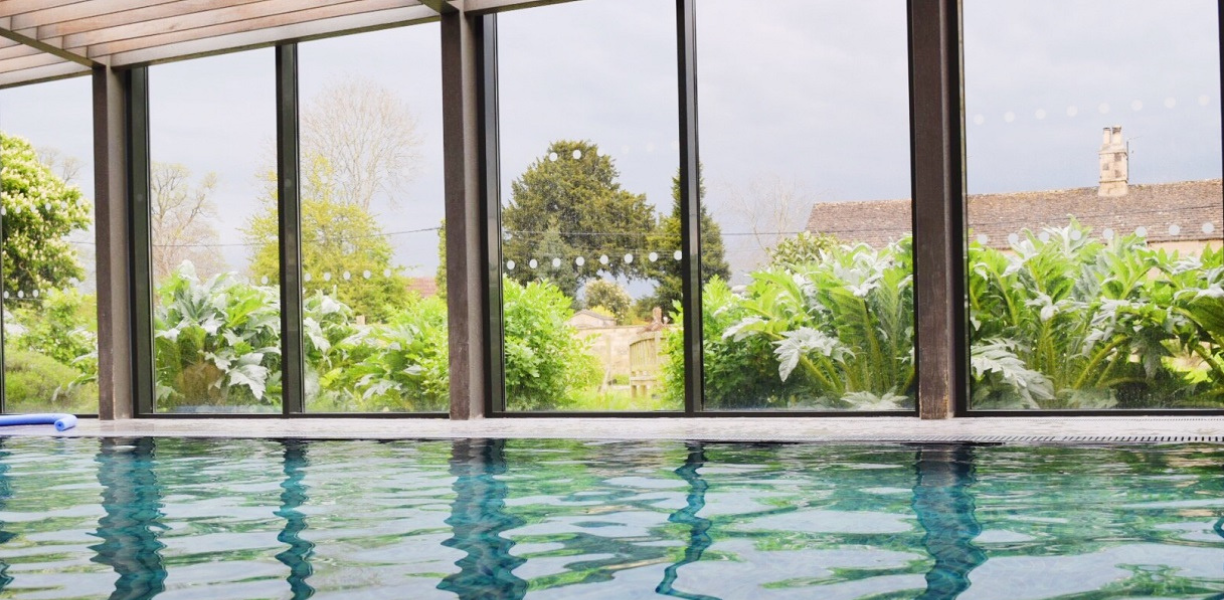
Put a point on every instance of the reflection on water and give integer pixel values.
(945, 509)
(297, 555)
(138, 519)
(478, 520)
(132, 499)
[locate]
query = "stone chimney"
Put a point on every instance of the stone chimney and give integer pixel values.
(1114, 159)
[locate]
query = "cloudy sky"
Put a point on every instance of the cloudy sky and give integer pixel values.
(806, 101)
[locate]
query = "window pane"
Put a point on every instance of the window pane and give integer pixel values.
(372, 209)
(213, 189)
(588, 116)
(49, 298)
(808, 293)
(1094, 215)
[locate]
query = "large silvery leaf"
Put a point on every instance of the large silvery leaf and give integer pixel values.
(796, 344)
(997, 358)
(253, 376)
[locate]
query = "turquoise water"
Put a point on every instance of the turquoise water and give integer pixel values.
(169, 518)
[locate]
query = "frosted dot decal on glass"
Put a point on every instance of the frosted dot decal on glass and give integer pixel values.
(1208, 228)
(1076, 235)
(533, 263)
(510, 265)
(307, 278)
(367, 274)
(1170, 102)
(983, 239)
(653, 256)
(1107, 234)
(1044, 236)
(552, 156)
(1013, 239)
(556, 263)
(577, 154)
(603, 260)
(347, 276)
(1072, 111)
(678, 255)
(628, 259)
(327, 277)
(580, 261)
(264, 280)
(1040, 114)
(1141, 231)
(1174, 229)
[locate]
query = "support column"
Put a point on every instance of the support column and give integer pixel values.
(467, 302)
(111, 220)
(690, 205)
(937, 155)
(293, 376)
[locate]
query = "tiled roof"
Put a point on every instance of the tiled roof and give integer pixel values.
(1169, 212)
(425, 286)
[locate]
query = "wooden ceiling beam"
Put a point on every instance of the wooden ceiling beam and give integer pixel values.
(336, 19)
(50, 46)
(9, 8)
(164, 9)
(80, 10)
(60, 70)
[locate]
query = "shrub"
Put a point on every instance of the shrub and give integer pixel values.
(35, 382)
(545, 362)
(217, 342)
(610, 297)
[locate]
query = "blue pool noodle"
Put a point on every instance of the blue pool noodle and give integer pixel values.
(61, 422)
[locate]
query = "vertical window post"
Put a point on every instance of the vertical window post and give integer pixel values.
(115, 244)
(937, 153)
(290, 226)
(491, 171)
(690, 208)
(466, 295)
(143, 362)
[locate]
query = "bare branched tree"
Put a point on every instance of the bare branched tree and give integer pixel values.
(67, 167)
(181, 222)
(367, 135)
(769, 209)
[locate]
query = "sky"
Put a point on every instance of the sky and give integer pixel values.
(801, 101)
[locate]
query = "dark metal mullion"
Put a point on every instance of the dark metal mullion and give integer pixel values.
(690, 205)
(3, 323)
(490, 169)
(937, 159)
(289, 233)
(143, 360)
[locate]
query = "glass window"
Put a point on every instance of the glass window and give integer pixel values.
(372, 208)
(805, 150)
(1094, 209)
(49, 290)
(212, 127)
(589, 156)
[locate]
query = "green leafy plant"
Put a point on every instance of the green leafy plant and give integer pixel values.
(217, 342)
(546, 363)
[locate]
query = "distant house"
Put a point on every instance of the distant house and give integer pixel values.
(589, 319)
(425, 286)
(1184, 215)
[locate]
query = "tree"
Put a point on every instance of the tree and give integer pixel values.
(568, 205)
(367, 135)
(40, 209)
(770, 209)
(609, 296)
(180, 220)
(666, 271)
(344, 250)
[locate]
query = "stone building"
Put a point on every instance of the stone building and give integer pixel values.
(1183, 215)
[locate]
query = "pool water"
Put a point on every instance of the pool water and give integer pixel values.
(491, 519)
